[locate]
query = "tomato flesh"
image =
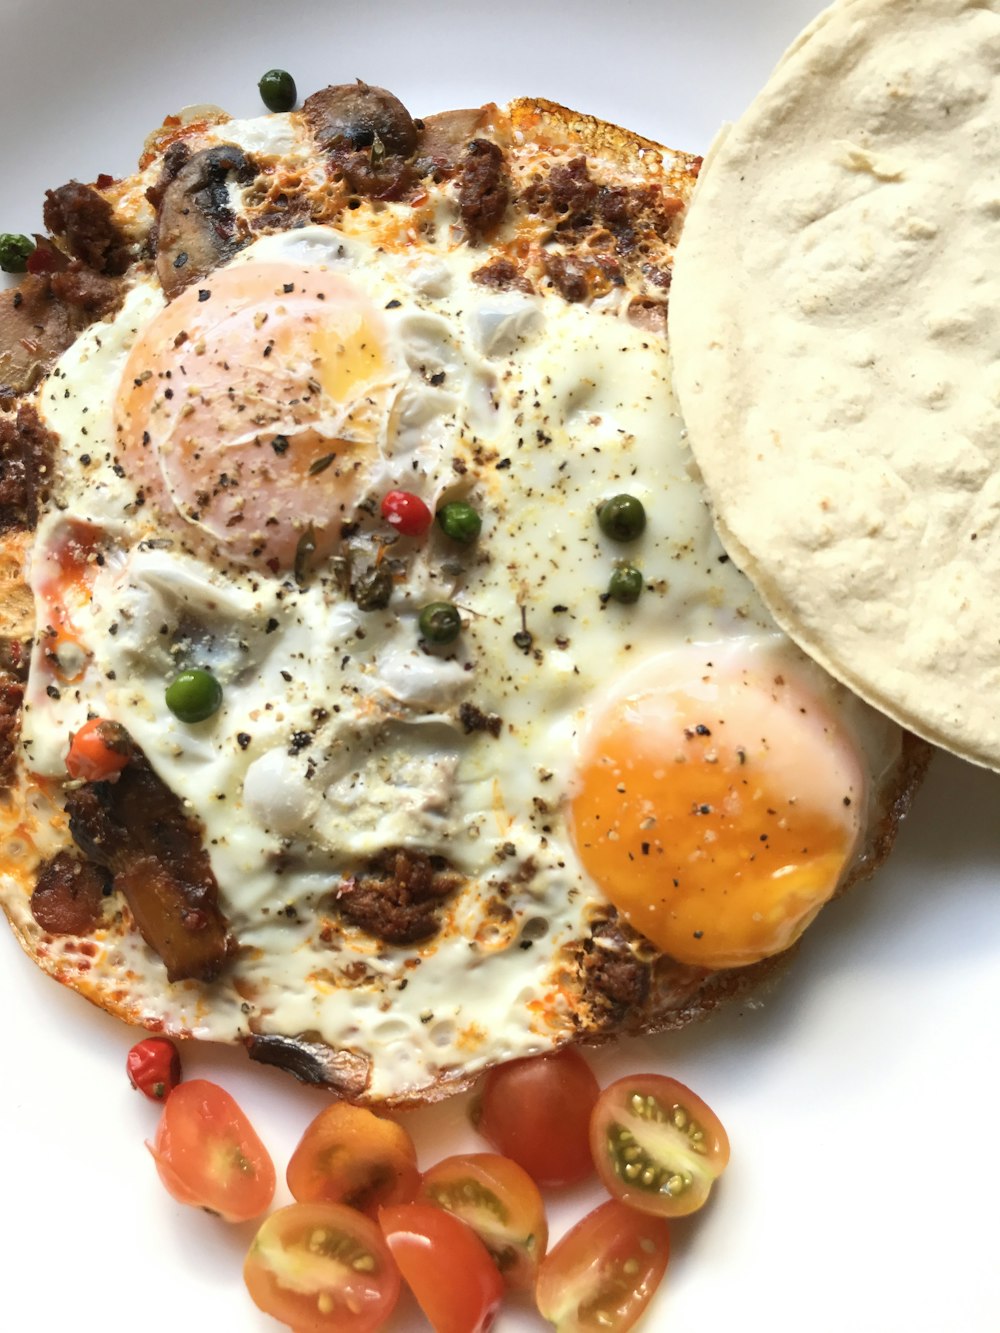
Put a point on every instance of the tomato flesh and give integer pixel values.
(537, 1111)
(350, 1155)
(322, 1268)
(657, 1146)
(208, 1155)
(603, 1273)
(446, 1266)
(501, 1203)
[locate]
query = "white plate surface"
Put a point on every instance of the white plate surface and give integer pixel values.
(860, 1096)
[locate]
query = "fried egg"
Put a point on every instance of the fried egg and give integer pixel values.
(676, 759)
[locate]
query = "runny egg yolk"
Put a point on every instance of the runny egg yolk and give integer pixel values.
(254, 405)
(719, 814)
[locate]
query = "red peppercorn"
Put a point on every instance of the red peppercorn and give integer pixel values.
(154, 1067)
(44, 259)
(407, 513)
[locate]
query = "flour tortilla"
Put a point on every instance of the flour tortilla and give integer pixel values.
(835, 323)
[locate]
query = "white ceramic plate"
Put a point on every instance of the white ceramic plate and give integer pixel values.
(860, 1095)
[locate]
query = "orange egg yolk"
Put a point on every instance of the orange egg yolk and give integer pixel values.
(718, 817)
(252, 408)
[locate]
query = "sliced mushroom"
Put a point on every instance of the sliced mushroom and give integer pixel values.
(355, 115)
(312, 1061)
(196, 226)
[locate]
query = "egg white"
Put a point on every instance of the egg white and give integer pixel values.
(539, 410)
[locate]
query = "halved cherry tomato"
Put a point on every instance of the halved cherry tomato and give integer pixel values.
(350, 1155)
(407, 513)
(208, 1155)
(602, 1274)
(98, 751)
(446, 1265)
(501, 1203)
(537, 1111)
(153, 1066)
(322, 1268)
(657, 1146)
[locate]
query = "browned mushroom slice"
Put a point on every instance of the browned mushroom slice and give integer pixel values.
(355, 116)
(196, 227)
(312, 1061)
(136, 826)
(368, 135)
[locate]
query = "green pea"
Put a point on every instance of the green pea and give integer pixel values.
(460, 521)
(440, 622)
(277, 90)
(14, 252)
(626, 584)
(622, 518)
(194, 695)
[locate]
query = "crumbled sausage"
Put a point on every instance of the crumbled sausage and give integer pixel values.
(568, 277)
(11, 696)
(27, 450)
(96, 293)
(483, 192)
(474, 719)
(502, 275)
(398, 897)
(84, 220)
(69, 895)
(613, 975)
(567, 191)
(575, 202)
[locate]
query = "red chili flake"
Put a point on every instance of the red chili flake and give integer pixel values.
(407, 513)
(104, 181)
(153, 1066)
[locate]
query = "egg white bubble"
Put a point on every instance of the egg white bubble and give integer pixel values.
(340, 733)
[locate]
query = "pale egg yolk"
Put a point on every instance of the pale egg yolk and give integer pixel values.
(718, 814)
(254, 406)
